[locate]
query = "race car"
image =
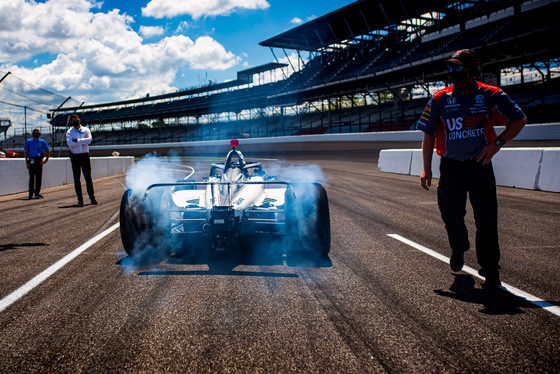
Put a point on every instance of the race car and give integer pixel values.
(7, 154)
(238, 207)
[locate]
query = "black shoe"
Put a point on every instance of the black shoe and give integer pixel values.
(80, 203)
(93, 202)
(30, 197)
(39, 196)
(492, 281)
(457, 261)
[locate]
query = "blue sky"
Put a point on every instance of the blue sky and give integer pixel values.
(100, 51)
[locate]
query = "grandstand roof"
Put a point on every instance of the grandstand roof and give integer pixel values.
(247, 74)
(370, 20)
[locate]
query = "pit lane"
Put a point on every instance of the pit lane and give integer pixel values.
(381, 306)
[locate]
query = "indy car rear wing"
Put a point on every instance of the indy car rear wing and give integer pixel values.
(229, 184)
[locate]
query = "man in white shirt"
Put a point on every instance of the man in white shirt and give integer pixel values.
(78, 138)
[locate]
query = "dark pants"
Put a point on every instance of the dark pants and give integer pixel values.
(35, 175)
(81, 164)
(457, 179)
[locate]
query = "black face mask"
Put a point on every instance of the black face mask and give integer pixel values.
(36, 135)
(458, 78)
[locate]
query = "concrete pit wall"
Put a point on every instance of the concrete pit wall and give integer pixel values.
(529, 168)
(14, 176)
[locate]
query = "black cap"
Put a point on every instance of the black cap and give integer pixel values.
(463, 57)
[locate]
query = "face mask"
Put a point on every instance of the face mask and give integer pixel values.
(458, 78)
(36, 135)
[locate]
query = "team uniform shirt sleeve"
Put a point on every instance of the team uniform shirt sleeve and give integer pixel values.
(502, 110)
(505, 109)
(429, 120)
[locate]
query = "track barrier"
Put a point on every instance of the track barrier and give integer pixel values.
(14, 176)
(529, 168)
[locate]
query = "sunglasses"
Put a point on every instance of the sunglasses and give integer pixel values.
(451, 69)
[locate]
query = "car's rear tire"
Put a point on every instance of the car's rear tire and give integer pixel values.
(308, 228)
(144, 228)
(133, 221)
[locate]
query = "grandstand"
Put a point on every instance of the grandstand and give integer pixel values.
(371, 66)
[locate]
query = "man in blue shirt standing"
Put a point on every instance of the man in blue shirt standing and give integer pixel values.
(34, 150)
(459, 120)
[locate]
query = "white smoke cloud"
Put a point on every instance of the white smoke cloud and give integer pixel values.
(150, 170)
(297, 172)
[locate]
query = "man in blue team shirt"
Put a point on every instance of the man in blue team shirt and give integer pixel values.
(459, 120)
(34, 149)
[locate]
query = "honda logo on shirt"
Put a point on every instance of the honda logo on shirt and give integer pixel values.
(454, 123)
(451, 100)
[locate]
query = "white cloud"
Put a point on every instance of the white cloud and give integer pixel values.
(209, 54)
(183, 26)
(98, 56)
(10, 14)
(296, 21)
(199, 8)
(149, 31)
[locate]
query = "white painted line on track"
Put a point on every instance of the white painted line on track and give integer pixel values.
(515, 291)
(37, 280)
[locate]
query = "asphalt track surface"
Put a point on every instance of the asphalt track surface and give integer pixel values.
(378, 305)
